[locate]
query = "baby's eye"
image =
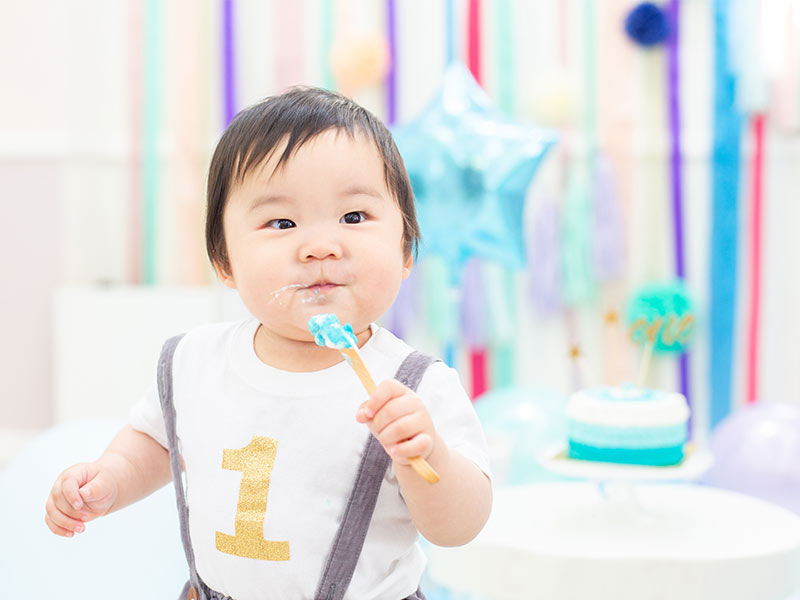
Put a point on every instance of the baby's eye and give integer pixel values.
(280, 224)
(352, 218)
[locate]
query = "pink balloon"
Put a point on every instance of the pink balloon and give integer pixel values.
(757, 452)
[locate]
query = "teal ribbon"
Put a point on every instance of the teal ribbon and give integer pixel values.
(151, 118)
(501, 357)
(326, 41)
(579, 286)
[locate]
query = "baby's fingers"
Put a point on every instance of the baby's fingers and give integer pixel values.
(69, 488)
(419, 445)
(56, 529)
(60, 523)
(387, 390)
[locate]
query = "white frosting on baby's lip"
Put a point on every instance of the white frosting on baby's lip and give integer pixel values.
(594, 406)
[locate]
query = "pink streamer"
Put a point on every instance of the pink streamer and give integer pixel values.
(134, 228)
(290, 44)
(191, 133)
(756, 201)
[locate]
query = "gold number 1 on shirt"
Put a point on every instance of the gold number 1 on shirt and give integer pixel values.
(255, 461)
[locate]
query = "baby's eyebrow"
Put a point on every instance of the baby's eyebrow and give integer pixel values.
(260, 201)
(357, 190)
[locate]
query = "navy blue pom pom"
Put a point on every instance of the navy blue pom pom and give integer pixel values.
(647, 24)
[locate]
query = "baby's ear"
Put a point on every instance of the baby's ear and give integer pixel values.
(408, 265)
(224, 276)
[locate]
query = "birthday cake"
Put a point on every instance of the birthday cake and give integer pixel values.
(627, 424)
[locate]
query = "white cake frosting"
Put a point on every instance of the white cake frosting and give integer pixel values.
(627, 406)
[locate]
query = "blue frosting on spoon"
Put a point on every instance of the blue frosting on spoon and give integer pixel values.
(327, 331)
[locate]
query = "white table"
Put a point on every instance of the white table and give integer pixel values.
(569, 541)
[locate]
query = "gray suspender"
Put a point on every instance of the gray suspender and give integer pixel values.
(346, 548)
(168, 409)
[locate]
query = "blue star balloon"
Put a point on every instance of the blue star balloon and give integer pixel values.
(470, 166)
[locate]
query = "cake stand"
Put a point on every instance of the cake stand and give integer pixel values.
(696, 461)
(617, 482)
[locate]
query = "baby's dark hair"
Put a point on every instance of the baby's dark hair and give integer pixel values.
(297, 116)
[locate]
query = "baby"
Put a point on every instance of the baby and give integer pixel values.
(298, 485)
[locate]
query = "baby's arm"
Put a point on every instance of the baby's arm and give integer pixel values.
(133, 466)
(450, 512)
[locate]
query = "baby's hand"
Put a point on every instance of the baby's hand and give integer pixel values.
(80, 494)
(398, 418)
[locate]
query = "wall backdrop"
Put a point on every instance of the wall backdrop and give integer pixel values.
(675, 162)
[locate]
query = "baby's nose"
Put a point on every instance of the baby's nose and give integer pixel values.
(320, 244)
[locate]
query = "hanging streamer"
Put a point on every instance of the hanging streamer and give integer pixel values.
(504, 68)
(745, 57)
(608, 265)
(473, 305)
(478, 354)
(403, 311)
(451, 51)
(398, 312)
(441, 302)
(608, 250)
(391, 75)
(502, 307)
(135, 210)
(474, 40)
(675, 136)
(575, 222)
(228, 62)
(606, 230)
(545, 258)
(785, 111)
(187, 42)
(578, 282)
(151, 171)
(756, 200)
(473, 324)
(290, 44)
(673, 81)
(590, 75)
(500, 291)
(725, 219)
(326, 41)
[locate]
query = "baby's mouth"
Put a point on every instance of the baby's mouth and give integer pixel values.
(318, 292)
(320, 287)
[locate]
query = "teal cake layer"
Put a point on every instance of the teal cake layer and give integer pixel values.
(605, 436)
(655, 457)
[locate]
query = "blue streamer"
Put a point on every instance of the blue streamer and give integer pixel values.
(452, 36)
(725, 220)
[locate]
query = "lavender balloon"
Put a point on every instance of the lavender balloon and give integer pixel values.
(757, 452)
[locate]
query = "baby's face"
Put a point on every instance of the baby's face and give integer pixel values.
(321, 234)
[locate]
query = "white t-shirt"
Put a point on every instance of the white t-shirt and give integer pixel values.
(291, 439)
